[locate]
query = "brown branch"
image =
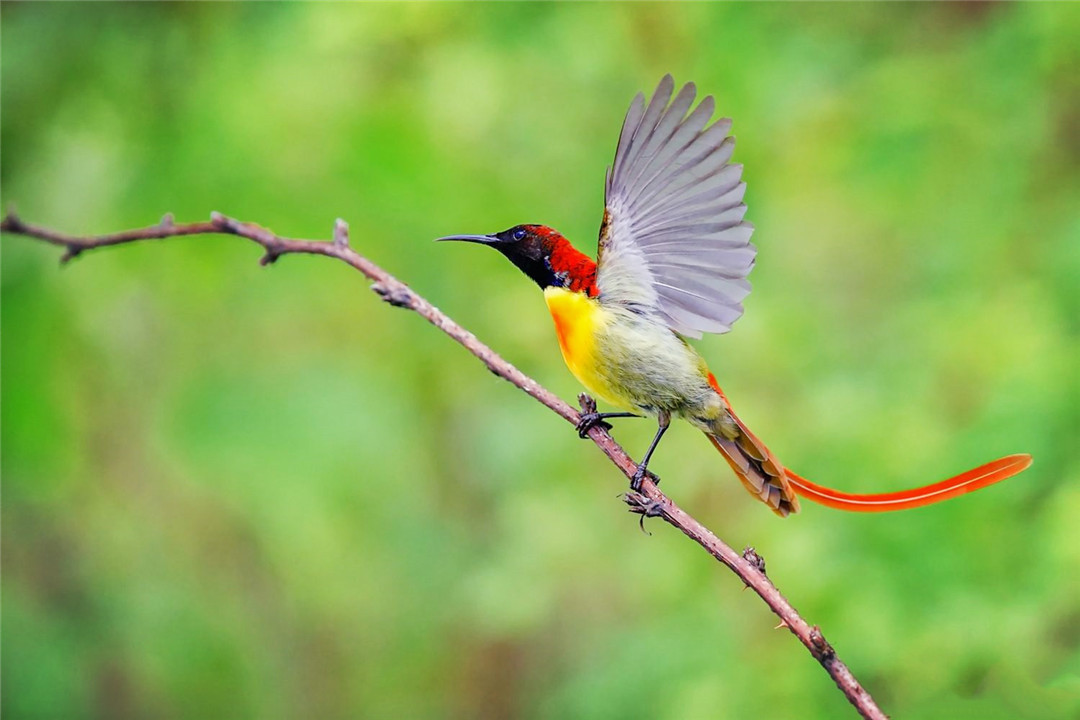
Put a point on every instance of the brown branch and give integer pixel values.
(650, 502)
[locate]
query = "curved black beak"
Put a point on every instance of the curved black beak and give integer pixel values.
(483, 239)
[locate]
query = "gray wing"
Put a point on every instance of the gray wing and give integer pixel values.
(673, 237)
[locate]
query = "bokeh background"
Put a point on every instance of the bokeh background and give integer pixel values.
(243, 492)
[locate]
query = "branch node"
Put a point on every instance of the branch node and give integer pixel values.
(274, 245)
(269, 258)
(588, 404)
(645, 507)
(249, 230)
(167, 222)
(11, 222)
(398, 296)
(821, 646)
(751, 556)
(72, 252)
(341, 233)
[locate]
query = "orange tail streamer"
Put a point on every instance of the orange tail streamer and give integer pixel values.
(970, 481)
(765, 478)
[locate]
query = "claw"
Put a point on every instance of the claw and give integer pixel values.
(590, 420)
(639, 475)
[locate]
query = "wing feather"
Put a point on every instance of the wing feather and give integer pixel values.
(680, 140)
(643, 132)
(674, 239)
(661, 136)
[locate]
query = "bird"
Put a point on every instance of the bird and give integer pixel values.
(673, 257)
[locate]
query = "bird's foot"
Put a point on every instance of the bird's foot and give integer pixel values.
(590, 420)
(589, 417)
(639, 476)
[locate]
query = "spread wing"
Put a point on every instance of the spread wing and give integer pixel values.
(673, 238)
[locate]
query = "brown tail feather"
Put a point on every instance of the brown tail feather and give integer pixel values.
(754, 464)
(758, 469)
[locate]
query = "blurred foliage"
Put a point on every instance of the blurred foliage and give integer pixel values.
(241, 492)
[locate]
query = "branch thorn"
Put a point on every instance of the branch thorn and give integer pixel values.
(588, 404)
(341, 233)
(396, 296)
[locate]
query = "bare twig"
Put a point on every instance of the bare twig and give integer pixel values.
(649, 502)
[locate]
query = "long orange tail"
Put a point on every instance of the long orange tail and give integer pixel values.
(970, 481)
(763, 475)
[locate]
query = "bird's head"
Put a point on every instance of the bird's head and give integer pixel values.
(543, 254)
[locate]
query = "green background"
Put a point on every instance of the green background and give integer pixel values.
(232, 491)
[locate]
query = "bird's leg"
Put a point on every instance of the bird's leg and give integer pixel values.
(589, 418)
(643, 467)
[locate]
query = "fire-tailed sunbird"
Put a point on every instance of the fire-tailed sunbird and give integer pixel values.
(672, 262)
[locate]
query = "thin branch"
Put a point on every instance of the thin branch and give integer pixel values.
(650, 502)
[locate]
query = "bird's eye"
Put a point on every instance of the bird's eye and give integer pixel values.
(519, 234)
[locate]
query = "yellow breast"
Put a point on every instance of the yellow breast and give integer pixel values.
(578, 320)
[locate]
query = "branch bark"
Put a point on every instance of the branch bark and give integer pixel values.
(650, 502)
